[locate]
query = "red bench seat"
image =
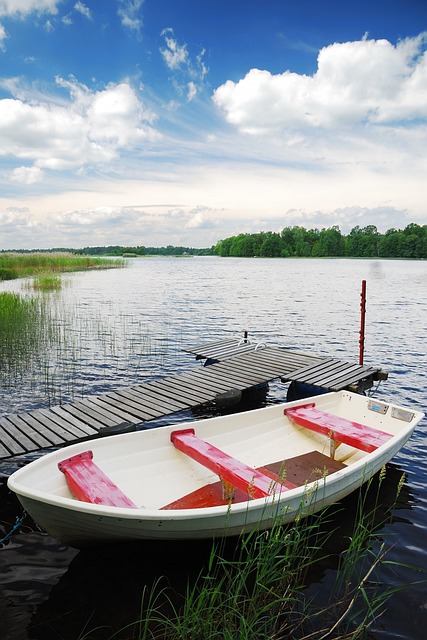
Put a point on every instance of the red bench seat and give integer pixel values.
(89, 483)
(338, 429)
(254, 483)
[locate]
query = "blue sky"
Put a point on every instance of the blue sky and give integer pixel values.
(154, 122)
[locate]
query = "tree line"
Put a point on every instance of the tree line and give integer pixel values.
(361, 242)
(169, 250)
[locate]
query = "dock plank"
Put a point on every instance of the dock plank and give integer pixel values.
(109, 406)
(50, 427)
(47, 426)
(143, 411)
(240, 366)
(36, 436)
(83, 414)
(8, 441)
(213, 384)
(179, 392)
(229, 373)
(171, 405)
(82, 427)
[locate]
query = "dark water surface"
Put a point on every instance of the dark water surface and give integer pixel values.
(124, 326)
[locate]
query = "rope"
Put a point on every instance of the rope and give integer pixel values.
(18, 523)
(371, 391)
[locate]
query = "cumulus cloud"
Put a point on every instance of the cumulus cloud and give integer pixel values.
(27, 175)
(149, 225)
(384, 217)
(96, 217)
(25, 7)
(369, 81)
(13, 218)
(92, 127)
(200, 218)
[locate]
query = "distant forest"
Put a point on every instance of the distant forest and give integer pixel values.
(361, 242)
(129, 252)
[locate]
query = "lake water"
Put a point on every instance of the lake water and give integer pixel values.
(118, 327)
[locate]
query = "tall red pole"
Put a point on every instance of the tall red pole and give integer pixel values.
(362, 321)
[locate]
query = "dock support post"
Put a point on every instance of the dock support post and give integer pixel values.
(362, 322)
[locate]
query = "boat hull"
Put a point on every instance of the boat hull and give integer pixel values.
(148, 469)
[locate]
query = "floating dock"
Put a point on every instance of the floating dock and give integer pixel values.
(234, 365)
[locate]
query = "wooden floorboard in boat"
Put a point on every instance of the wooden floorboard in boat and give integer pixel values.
(299, 470)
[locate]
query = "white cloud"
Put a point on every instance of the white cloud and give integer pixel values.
(366, 81)
(3, 36)
(384, 217)
(27, 175)
(147, 225)
(83, 9)
(13, 218)
(188, 73)
(129, 14)
(174, 55)
(91, 128)
(96, 217)
(199, 218)
(24, 7)
(192, 91)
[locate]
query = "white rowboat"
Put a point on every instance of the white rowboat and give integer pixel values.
(214, 477)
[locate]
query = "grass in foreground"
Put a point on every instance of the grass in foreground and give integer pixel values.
(259, 592)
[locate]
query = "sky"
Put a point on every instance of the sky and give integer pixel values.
(183, 122)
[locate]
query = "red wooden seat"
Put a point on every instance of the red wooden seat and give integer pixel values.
(338, 429)
(89, 483)
(230, 470)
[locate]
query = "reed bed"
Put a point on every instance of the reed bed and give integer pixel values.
(47, 283)
(60, 351)
(25, 331)
(22, 265)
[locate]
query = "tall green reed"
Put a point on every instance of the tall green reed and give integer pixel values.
(259, 590)
(24, 331)
(21, 265)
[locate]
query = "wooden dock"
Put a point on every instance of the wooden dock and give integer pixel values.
(235, 365)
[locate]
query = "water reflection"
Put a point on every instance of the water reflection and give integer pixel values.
(129, 326)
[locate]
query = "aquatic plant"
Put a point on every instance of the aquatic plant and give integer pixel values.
(47, 283)
(27, 334)
(260, 591)
(21, 265)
